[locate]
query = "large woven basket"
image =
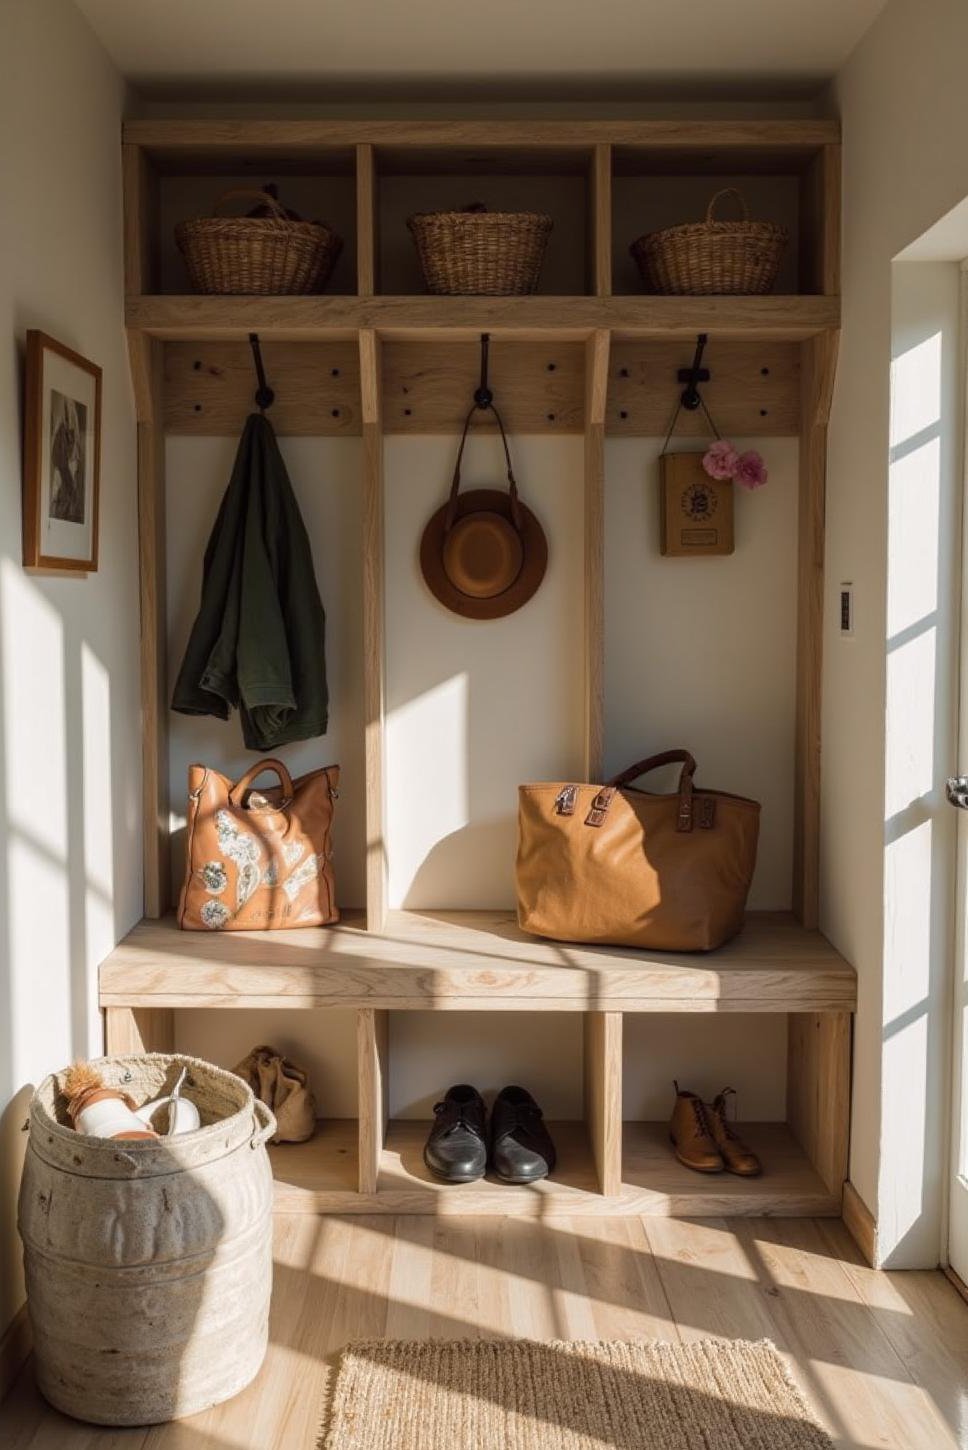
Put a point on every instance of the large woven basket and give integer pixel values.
(478, 252)
(739, 257)
(247, 255)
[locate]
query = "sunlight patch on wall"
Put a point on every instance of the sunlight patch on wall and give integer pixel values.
(915, 485)
(915, 389)
(39, 914)
(908, 911)
(426, 751)
(98, 805)
(910, 722)
(32, 646)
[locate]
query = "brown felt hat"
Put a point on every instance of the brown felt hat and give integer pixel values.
(483, 553)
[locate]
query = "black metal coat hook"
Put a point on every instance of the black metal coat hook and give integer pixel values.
(690, 399)
(264, 396)
(483, 396)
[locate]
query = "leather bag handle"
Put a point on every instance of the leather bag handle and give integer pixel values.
(450, 517)
(652, 762)
(244, 781)
(684, 818)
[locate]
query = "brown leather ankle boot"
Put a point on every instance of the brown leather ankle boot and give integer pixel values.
(736, 1156)
(691, 1135)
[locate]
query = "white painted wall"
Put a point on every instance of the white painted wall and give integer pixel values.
(70, 809)
(887, 691)
(474, 707)
(701, 653)
(693, 657)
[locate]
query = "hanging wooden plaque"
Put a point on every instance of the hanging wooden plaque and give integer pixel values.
(696, 511)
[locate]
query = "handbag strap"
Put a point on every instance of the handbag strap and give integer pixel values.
(450, 517)
(684, 817)
(653, 762)
(244, 781)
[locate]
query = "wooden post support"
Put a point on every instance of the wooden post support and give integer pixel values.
(596, 391)
(140, 221)
(600, 221)
(372, 1046)
(146, 357)
(818, 1091)
(366, 220)
(603, 1097)
(131, 1030)
(374, 670)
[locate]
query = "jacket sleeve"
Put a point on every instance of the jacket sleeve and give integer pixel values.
(266, 692)
(207, 682)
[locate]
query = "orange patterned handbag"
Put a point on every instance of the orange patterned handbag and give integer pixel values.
(259, 860)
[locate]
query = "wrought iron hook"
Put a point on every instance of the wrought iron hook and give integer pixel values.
(690, 399)
(264, 396)
(483, 396)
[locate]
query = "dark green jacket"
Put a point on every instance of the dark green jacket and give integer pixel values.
(259, 640)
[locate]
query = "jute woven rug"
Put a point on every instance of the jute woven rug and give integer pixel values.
(520, 1395)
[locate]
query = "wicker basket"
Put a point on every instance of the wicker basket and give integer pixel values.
(249, 255)
(480, 253)
(710, 257)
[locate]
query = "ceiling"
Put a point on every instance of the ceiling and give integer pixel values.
(637, 47)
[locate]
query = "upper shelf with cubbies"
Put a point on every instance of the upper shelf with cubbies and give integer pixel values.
(602, 183)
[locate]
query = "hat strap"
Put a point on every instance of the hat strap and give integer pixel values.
(451, 515)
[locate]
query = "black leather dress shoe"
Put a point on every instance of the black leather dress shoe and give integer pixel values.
(521, 1146)
(457, 1147)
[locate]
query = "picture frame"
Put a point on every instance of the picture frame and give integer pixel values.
(62, 457)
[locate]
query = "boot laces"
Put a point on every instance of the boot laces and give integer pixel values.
(719, 1108)
(699, 1112)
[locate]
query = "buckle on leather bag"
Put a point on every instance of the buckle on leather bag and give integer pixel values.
(565, 800)
(599, 807)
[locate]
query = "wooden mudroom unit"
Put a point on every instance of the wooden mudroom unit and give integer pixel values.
(588, 355)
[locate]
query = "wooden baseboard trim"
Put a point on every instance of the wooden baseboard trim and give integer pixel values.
(14, 1349)
(860, 1223)
(956, 1280)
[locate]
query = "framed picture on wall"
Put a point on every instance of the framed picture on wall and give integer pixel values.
(62, 457)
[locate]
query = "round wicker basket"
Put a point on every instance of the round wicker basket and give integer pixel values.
(246, 255)
(481, 253)
(710, 257)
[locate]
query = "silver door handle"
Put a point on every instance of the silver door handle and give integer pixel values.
(956, 789)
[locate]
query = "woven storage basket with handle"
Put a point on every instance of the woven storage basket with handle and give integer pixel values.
(485, 253)
(266, 255)
(703, 258)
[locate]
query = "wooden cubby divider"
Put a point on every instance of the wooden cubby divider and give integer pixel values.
(374, 666)
(598, 364)
(602, 1072)
(600, 220)
(366, 220)
(373, 1076)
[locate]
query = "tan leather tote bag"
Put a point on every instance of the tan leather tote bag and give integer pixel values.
(616, 865)
(258, 860)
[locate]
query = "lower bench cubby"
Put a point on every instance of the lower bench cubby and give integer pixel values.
(596, 1034)
(606, 1164)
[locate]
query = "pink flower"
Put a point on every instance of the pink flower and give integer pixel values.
(721, 459)
(750, 470)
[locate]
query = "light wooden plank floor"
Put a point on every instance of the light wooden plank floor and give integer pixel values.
(882, 1358)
